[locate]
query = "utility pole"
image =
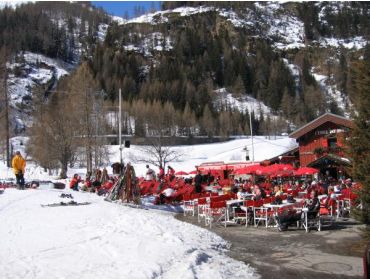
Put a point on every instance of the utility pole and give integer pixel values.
(7, 117)
(120, 128)
(250, 125)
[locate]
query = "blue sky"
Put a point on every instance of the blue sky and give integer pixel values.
(118, 8)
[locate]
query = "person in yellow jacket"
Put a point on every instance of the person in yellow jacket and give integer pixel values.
(19, 165)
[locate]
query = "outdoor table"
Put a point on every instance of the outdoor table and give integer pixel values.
(229, 204)
(276, 207)
(302, 193)
(247, 196)
(305, 219)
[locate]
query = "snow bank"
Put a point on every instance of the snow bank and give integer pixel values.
(104, 240)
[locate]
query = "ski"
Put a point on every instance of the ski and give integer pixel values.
(132, 205)
(71, 203)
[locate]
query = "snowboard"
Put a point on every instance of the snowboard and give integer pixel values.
(71, 203)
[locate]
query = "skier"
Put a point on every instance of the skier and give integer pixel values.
(19, 164)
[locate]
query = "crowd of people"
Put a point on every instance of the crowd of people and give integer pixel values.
(101, 182)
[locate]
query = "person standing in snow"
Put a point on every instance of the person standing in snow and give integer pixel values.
(149, 176)
(19, 165)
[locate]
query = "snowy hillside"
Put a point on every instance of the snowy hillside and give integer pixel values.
(26, 73)
(267, 19)
(244, 103)
(12, 3)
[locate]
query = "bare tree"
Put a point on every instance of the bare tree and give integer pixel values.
(87, 106)
(157, 154)
(158, 121)
(54, 134)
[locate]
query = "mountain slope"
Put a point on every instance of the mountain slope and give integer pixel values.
(275, 52)
(51, 39)
(294, 59)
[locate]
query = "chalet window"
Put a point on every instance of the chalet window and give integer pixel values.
(332, 142)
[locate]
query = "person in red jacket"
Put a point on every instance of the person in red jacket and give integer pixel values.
(170, 173)
(74, 182)
(161, 173)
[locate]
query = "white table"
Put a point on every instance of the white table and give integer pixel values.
(229, 204)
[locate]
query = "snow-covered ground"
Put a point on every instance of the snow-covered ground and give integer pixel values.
(104, 240)
(108, 240)
(190, 156)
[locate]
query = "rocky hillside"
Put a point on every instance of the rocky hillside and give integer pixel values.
(293, 57)
(51, 39)
(285, 63)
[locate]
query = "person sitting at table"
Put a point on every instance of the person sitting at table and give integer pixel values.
(291, 216)
(241, 194)
(277, 191)
(258, 193)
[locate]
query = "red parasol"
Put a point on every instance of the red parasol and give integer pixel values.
(248, 169)
(306, 171)
(181, 173)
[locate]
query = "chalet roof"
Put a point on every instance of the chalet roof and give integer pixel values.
(328, 117)
(331, 158)
(287, 153)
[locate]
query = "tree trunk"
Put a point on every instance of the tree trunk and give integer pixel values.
(63, 171)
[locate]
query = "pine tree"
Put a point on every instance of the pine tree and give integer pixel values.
(360, 139)
(207, 122)
(238, 87)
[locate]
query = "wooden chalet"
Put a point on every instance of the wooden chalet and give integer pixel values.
(321, 144)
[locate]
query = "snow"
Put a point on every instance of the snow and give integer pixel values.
(36, 70)
(235, 19)
(13, 3)
(104, 240)
(108, 240)
(191, 156)
(102, 32)
(296, 73)
(287, 30)
(355, 43)
(332, 93)
(151, 42)
(160, 16)
(119, 20)
(242, 103)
